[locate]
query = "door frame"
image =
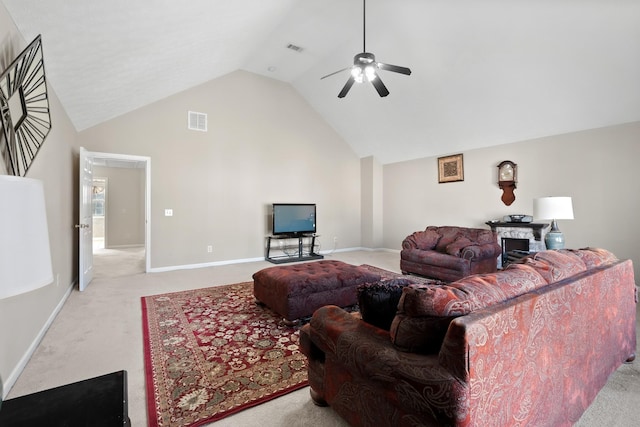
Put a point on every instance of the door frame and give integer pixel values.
(124, 159)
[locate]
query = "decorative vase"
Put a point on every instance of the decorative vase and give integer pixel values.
(554, 240)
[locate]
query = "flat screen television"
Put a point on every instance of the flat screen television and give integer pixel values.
(294, 219)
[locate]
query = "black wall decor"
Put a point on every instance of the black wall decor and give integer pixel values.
(24, 108)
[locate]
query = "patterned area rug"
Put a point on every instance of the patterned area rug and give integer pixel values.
(213, 352)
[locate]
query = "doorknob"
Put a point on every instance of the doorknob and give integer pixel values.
(82, 225)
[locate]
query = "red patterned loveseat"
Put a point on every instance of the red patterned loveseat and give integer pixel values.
(530, 346)
(450, 253)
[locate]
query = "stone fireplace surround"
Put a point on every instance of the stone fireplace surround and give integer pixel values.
(531, 231)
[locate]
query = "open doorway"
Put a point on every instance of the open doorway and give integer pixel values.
(114, 212)
(98, 202)
(117, 202)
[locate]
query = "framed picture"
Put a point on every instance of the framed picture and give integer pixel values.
(450, 168)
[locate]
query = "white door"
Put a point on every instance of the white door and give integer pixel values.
(85, 228)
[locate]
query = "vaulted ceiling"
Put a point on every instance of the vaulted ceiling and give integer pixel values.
(485, 72)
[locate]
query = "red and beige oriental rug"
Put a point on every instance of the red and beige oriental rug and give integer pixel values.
(213, 352)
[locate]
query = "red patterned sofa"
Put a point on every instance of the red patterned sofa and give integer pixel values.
(530, 346)
(450, 253)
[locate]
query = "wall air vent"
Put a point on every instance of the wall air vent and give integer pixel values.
(197, 121)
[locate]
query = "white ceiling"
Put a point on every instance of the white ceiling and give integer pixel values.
(485, 72)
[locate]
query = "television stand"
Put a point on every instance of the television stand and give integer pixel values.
(301, 249)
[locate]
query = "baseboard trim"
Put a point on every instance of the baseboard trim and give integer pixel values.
(203, 265)
(13, 376)
(245, 260)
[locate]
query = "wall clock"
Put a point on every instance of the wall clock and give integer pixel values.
(24, 108)
(507, 179)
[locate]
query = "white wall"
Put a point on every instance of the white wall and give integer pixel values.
(264, 144)
(372, 202)
(597, 168)
(24, 318)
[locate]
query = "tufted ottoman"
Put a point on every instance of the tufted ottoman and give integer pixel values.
(296, 291)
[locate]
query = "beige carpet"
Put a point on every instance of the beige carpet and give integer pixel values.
(100, 331)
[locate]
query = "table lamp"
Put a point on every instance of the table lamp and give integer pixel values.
(25, 257)
(553, 208)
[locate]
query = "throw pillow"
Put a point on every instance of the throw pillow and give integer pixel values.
(427, 240)
(379, 301)
(419, 334)
(458, 245)
(423, 240)
(448, 235)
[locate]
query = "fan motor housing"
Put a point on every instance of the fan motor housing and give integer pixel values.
(364, 58)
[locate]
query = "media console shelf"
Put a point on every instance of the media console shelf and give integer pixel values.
(302, 249)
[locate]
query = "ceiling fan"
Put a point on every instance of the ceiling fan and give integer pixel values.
(365, 66)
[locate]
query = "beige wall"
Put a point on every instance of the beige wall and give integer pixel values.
(124, 224)
(24, 317)
(264, 144)
(371, 172)
(597, 168)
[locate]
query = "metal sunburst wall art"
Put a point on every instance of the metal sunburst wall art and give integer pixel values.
(24, 108)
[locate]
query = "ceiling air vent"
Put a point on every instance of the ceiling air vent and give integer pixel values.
(294, 47)
(197, 121)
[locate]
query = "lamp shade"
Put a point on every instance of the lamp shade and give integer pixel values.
(553, 208)
(25, 257)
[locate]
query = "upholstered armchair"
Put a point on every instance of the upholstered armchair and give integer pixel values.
(450, 253)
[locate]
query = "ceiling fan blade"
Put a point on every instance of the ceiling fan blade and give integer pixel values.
(394, 68)
(335, 72)
(380, 87)
(346, 87)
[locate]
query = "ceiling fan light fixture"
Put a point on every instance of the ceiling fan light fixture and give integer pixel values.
(357, 74)
(360, 74)
(370, 72)
(366, 67)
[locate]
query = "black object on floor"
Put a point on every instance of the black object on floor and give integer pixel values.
(95, 402)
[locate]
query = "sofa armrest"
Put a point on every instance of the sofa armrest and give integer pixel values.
(366, 351)
(356, 370)
(422, 240)
(484, 251)
(330, 323)
(410, 242)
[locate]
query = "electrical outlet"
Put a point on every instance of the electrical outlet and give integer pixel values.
(335, 239)
(209, 248)
(168, 212)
